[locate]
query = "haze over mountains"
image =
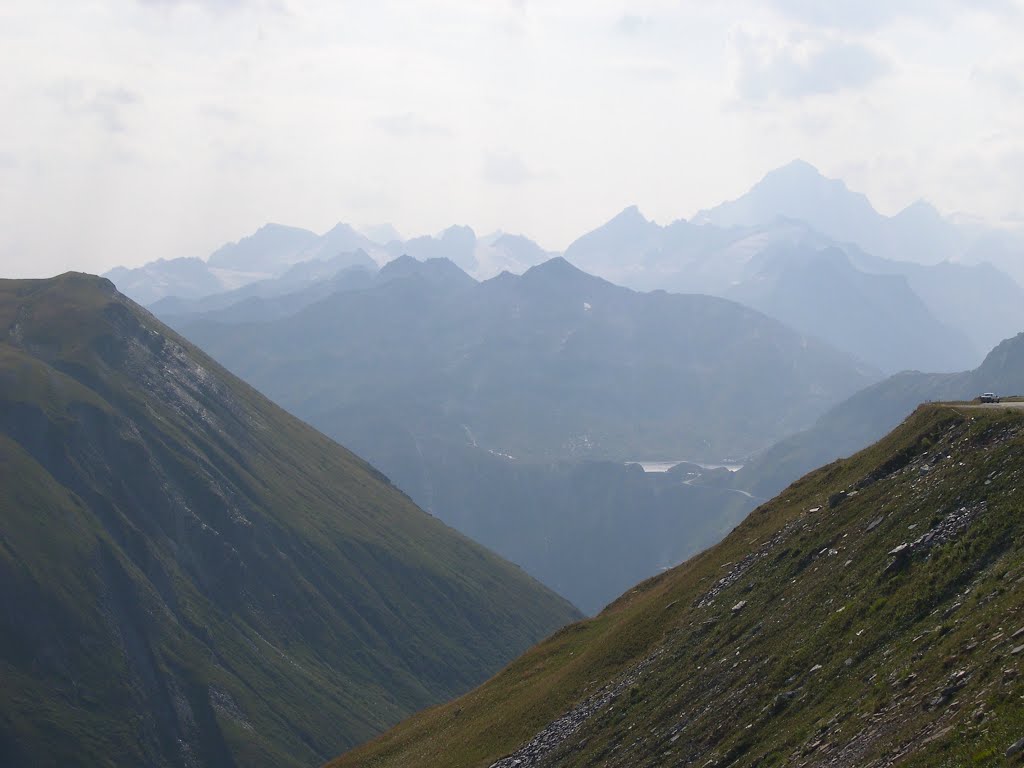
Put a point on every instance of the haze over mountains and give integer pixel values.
(799, 192)
(918, 234)
(787, 272)
(278, 258)
(485, 385)
(191, 576)
(456, 388)
(807, 250)
(551, 364)
(899, 292)
(443, 381)
(586, 529)
(269, 252)
(871, 413)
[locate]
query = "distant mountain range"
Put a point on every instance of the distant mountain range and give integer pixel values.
(912, 291)
(190, 576)
(553, 364)
(441, 455)
(947, 262)
(796, 248)
(797, 276)
(895, 315)
(270, 252)
(798, 192)
(278, 259)
(277, 296)
(918, 234)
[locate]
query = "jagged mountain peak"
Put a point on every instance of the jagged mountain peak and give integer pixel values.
(799, 182)
(797, 170)
(381, 234)
(558, 270)
(630, 217)
(342, 228)
(501, 239)
(458, 232)
(922, 212)
(630, 212)
(798, 191)
(273, 227)
(435, 269)
(267, 249)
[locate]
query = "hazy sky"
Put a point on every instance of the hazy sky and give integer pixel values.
(142, 129)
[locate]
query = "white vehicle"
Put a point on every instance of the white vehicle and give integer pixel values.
(989, 397)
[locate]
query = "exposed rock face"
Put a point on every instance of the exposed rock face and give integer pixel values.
(545, 744)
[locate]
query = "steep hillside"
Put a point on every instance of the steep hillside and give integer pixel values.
(871, 615)
(586, 529)
(190, 576)
(869, 414)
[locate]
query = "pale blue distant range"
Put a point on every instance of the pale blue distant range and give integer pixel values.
(665, 466)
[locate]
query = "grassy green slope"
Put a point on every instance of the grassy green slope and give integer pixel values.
(804, 638)
(192, 576)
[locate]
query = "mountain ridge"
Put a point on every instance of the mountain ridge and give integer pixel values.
(586, 327)
(192, 576)
(869, 414)
(764, 263)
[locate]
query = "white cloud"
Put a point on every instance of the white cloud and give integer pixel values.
(218, 112)
(632, 24)
(217, 6)
(860, 16)
(408, 125)
(851, 14)
(505, 166)
(793, 69)
(1005, 78)
(109, 105)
